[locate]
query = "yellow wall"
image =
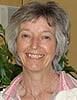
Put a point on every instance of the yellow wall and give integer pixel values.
(71, 7)
(11, 2)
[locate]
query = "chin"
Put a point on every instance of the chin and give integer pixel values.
(34, 68)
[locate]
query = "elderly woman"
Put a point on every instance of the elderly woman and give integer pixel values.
(37, 36)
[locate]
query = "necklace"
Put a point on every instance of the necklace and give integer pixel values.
(22, 92)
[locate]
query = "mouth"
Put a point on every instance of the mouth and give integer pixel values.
(34, 56)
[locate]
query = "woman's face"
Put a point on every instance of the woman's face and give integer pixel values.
(36, 44)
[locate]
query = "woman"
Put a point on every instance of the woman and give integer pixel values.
(37, 36)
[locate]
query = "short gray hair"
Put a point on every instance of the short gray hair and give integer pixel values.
(51, 11)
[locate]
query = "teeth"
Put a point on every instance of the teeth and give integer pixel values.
(35, 56)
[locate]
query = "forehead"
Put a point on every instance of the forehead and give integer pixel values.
(39, 24)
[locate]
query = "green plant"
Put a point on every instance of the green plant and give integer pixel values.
(9, 70)
(64, 61)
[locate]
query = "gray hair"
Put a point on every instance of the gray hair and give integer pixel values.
(51, 11)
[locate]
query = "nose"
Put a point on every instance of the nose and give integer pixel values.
(35, 43)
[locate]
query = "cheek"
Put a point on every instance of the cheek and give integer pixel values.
(20, 45)
(51, 51)
(19, 48)
(50, 48)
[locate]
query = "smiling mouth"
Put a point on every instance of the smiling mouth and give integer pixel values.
(34, 56)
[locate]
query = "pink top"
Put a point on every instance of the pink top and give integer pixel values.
(66, 82)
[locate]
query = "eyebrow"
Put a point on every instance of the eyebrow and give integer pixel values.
(48, 32)
(45, 31)
(20, 30)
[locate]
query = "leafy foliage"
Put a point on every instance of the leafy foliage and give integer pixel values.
(67, 68)
(8, 69)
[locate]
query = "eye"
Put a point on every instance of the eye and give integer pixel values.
(46, 37)
(25, 35)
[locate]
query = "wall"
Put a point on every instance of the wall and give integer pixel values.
(71, 7)
(11, 2)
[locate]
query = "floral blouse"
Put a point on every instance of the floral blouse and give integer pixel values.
(67, 89)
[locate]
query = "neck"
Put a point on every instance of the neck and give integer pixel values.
(35, 82)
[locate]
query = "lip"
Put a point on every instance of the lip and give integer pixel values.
(34, 56)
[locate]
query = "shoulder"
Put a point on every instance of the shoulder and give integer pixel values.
(67, 81)
(10, 91)
(73, 80)
(70, 80)
(67, 95)
(3, 97)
